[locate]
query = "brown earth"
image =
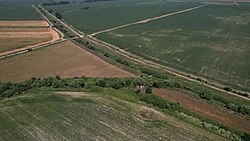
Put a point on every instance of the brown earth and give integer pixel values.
(65, 59)
(204, 109)
(23, 23)
(15, 39)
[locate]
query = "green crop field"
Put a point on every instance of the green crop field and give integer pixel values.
(81, 116)
(18, 10)
(211, 42)
(102, 15)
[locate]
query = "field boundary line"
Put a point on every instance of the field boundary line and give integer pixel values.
(148, 20)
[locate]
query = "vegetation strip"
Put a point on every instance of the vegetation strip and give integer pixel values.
(138, 89)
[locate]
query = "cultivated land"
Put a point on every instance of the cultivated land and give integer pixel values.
(19, 35)
(104, 15)
(65, 59)
(12, 39)
(27, 23)
(17, 10)
(77, 116)
(210, 42)
(205, 109)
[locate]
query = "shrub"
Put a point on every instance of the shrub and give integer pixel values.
(148, 90)
(232, 106)
(116, 85)
(101, 83)
(206, 94)
(228, 89)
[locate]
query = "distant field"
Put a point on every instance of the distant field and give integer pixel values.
(77, 116)
(28, 23)
(18, 10)
(211, 42)
(64, 59)
(103, 15)
(16, 38)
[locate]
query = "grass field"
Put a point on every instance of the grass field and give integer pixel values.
(77, 116)
(211, 42)
(103, 15)
(65, 59)
(18, 10)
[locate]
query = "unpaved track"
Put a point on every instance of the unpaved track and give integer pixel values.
(63, 23)
(147, 20)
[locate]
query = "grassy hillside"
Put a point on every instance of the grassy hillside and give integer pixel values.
(77, 116)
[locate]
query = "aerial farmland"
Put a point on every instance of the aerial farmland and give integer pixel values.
(139, 70)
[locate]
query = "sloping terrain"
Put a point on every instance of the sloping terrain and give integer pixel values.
(83, 116)
(205, 109)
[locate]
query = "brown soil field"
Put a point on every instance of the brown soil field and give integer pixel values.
(13, 39)
(23, 23)
(65, 60)
(204, 109)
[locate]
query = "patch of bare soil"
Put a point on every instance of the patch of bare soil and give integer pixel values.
(204, 109)
(16, 39)
(65, 59)
(24, 23)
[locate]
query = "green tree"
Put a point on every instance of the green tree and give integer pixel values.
(58, 15)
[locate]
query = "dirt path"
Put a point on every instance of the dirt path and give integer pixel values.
(63, 23)
(205, 109)
(147, 20)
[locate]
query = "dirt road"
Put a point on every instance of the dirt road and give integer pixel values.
(147, 20)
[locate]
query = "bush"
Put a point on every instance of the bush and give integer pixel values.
(228, 89)
(244, 109)
(50, 11)
(77, 84)
(148, 90)
(116, 85)
(206, 94)
(58, 15)
(232, 106)
(101, 83)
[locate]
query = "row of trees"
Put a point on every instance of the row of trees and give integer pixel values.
(163, 80)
